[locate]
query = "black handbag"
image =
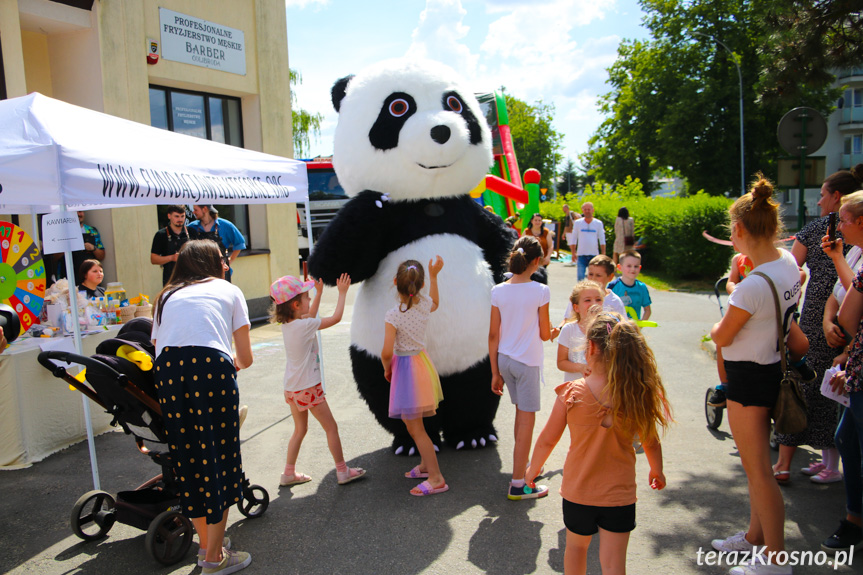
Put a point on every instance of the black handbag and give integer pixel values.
(789, 413)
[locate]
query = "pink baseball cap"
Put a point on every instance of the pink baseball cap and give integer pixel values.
(288, 287)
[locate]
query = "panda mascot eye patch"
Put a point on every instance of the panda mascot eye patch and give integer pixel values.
(453, 101)
(397, 108)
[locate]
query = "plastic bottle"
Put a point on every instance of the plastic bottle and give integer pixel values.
(116, 291)
(109, 307)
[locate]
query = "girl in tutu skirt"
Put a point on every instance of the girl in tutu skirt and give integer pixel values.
(414, 383)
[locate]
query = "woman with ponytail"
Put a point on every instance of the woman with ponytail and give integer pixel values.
(748, 336)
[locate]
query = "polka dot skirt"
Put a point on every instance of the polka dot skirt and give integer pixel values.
(198, 393)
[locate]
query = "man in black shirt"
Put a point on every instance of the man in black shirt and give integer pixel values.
(168, 241)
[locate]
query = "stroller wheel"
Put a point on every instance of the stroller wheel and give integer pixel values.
(93, 515)
(713, 414)
(169, 537)
(255, 501)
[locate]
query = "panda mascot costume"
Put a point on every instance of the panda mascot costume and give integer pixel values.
(410, 144)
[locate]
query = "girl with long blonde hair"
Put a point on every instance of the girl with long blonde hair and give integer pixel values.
(622, 398)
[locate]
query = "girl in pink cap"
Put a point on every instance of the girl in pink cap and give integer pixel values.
(295, 311)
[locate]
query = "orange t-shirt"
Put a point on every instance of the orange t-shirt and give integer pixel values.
(600, 464)
(543, 239)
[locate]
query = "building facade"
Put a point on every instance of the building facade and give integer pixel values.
(215, 69)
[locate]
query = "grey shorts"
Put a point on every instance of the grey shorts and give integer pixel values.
(522, 381)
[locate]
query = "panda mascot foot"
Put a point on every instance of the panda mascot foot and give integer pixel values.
(410, 145)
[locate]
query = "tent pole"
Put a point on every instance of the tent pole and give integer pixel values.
(79, 346)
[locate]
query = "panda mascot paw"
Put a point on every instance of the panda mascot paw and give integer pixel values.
(410, 144)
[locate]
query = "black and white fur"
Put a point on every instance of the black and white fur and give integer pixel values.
(410, 144)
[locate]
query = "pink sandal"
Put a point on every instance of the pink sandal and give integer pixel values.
(415, 473)
(353, 474)
(298, 478)
(426, 488)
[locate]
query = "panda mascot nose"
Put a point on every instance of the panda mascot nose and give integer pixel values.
(440, 134)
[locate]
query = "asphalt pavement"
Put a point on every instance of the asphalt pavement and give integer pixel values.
(375, 526)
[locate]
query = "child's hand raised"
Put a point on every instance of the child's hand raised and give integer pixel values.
(319, 285)
(343, 283)
(435, 266)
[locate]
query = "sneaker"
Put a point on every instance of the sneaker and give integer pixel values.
(760, 569)
(202, 553)
(526, 492)
(844, 538)
(232, 561)
(717, 398)
(813, 469)
(736, 542)
(827, 476)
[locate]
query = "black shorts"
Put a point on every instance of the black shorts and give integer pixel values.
(753, 384)
(587, 519)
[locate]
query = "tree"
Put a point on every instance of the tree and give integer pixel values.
(808, 39)
(535, 141)
(674, 103)
(572, 179)
(303, 123)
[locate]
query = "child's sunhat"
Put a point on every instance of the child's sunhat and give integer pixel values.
(288, 287)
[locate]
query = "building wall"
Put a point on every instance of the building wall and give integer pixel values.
(98, 60)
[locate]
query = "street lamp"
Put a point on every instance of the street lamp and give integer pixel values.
(740, 77)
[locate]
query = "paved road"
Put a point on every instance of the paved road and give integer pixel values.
(375, 526)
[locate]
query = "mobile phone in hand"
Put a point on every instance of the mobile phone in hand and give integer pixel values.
(831, 227)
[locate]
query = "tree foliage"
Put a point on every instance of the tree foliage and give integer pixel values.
(674, 103)
(535, 140)
(808, 39)
(304, 124)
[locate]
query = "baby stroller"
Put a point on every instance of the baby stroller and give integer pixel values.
(115, 381)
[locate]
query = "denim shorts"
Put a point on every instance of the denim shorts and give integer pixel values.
(522, 382)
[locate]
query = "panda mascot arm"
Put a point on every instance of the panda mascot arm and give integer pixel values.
(496, 242)
(351, 242)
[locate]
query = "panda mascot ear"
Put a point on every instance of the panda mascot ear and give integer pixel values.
(338, 91)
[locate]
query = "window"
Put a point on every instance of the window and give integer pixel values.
(857, 144)
(201, 115)
(858, 97)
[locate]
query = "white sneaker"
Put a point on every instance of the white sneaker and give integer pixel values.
(736, 542)
(760, 569)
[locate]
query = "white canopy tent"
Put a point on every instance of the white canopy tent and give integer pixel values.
(56, 156)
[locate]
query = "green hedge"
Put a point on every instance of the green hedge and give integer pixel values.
(670, 228)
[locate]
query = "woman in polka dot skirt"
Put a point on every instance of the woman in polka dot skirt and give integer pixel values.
(197, 314)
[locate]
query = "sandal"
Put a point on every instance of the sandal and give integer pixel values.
(415, 473)
(353, 474)
(782, 476)
(285, 481)
(426, 488)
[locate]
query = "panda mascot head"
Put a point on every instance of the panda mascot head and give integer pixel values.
(427, 136)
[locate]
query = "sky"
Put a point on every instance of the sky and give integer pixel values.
(556, 51)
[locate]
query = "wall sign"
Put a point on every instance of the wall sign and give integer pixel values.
(201, 43)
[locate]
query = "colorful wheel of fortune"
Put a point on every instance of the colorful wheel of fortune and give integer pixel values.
(22, 274)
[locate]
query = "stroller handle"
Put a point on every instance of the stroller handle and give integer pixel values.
(59, 371)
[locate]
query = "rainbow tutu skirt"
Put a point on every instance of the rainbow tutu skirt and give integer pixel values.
(415, 388)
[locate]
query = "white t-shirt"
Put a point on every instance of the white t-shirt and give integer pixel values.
(756, 340)
(205, 314)
(303, 362)
(588, 236)
(572, 338)
(611, 302)
(854, 257)
(410, 325)
(519, 319)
